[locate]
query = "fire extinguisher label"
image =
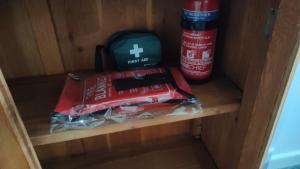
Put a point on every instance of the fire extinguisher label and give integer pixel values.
(196, 16)
(197, 53)
(200, 10)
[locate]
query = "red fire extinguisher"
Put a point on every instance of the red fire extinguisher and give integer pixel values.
(199, 24)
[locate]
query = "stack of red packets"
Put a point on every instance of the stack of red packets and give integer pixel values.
(106, 98)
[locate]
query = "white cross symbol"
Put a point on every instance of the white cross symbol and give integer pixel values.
(136, 51)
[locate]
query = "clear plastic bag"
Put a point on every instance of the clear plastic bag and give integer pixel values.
(118, 97)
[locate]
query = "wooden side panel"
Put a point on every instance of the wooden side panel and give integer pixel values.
(9, 147)
(19, 54)
(263, 86)
(15, 146)
(245, 42)
(280, 58)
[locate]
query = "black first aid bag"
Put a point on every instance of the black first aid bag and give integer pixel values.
(131, 50)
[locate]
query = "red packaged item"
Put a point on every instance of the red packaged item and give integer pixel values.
(121, 96)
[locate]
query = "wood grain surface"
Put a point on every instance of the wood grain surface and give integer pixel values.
(217, 97)
(19, 54)
(263, 88)
(15, 146)
(168, 153)
(244, 42)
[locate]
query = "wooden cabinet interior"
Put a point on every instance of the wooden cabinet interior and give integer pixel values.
(44, 38)
(61, 35)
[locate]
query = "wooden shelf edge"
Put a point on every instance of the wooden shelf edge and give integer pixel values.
(112, 128)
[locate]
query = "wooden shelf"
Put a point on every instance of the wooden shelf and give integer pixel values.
(36, 98)
(180, 154)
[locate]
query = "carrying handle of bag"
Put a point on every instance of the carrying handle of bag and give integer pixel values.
(99, 58)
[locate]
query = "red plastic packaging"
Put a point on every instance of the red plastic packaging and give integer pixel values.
(121, 96)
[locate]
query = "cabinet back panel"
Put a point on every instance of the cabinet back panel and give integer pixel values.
(81, 25)
(41, 37)
(19, 54)
(57, 36)
(114, 141)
